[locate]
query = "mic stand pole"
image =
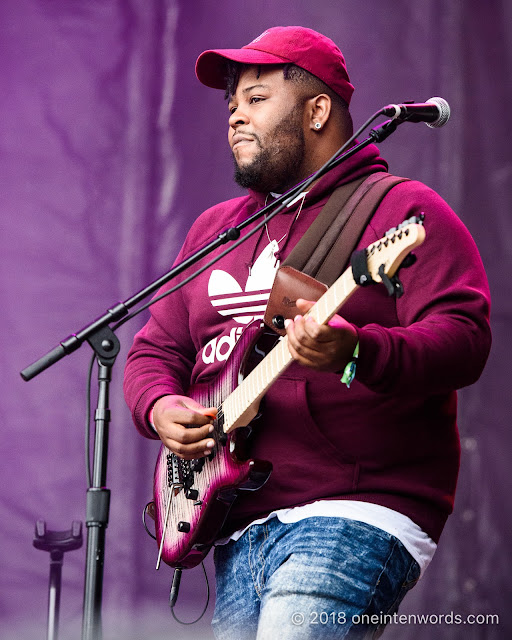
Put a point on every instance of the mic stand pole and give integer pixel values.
(106, 346)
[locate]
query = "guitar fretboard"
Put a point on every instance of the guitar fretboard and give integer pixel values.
(255, 385)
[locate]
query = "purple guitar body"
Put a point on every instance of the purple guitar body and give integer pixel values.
(206, 488)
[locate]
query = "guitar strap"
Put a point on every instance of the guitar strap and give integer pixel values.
(324, 251)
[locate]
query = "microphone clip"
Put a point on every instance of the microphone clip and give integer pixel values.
(379, 134)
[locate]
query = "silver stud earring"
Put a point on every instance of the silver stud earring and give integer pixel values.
(318, 126)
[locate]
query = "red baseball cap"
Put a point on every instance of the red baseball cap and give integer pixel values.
(304, 47)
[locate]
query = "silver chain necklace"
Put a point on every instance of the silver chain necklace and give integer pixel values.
(303, 196)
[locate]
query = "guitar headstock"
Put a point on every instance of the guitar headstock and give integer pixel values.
(390, 251)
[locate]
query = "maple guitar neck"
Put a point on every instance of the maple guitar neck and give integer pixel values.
(242, 404)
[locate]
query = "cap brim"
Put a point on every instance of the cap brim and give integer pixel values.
(211, 65)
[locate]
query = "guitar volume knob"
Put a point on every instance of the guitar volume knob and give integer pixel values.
(183, 527)
(278, 321)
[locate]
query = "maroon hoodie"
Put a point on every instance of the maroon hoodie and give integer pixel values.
(391, 439)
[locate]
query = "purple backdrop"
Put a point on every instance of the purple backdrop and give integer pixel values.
(109, 149)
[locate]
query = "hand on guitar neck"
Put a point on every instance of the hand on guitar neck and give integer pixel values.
(173, 417)
(325, 347)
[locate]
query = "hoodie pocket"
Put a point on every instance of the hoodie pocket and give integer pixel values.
(292, 432)
(320, 440)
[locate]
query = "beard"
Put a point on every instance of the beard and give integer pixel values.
(277, 165)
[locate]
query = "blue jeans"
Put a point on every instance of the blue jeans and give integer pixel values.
(317, 578)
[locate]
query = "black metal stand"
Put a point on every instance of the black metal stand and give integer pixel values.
(106, 345)
(57, 543)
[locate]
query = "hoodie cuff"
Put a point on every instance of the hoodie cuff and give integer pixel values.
(144, 407)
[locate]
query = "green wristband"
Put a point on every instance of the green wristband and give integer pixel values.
(350, 370)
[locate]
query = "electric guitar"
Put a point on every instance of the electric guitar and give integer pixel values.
(192, 498)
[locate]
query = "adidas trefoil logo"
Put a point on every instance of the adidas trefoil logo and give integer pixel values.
(243, 305)
(228, 298)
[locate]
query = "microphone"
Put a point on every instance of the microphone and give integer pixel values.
(434, 113)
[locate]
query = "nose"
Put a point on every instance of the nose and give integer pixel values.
(237, 118)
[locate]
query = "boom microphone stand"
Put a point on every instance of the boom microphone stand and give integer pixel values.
(104, 342)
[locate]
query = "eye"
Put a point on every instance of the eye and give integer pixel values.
(232, 110)
(255, 99)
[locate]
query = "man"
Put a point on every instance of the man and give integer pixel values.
(363, 476)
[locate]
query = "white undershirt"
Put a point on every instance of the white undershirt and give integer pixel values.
(415, 540)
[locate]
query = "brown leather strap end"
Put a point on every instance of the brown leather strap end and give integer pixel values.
(289, 285)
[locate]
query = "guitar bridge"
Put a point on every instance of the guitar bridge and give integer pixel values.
(174, 474)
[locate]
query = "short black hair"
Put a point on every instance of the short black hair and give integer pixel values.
(310, 84)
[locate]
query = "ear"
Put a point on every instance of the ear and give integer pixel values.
(318, 111)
